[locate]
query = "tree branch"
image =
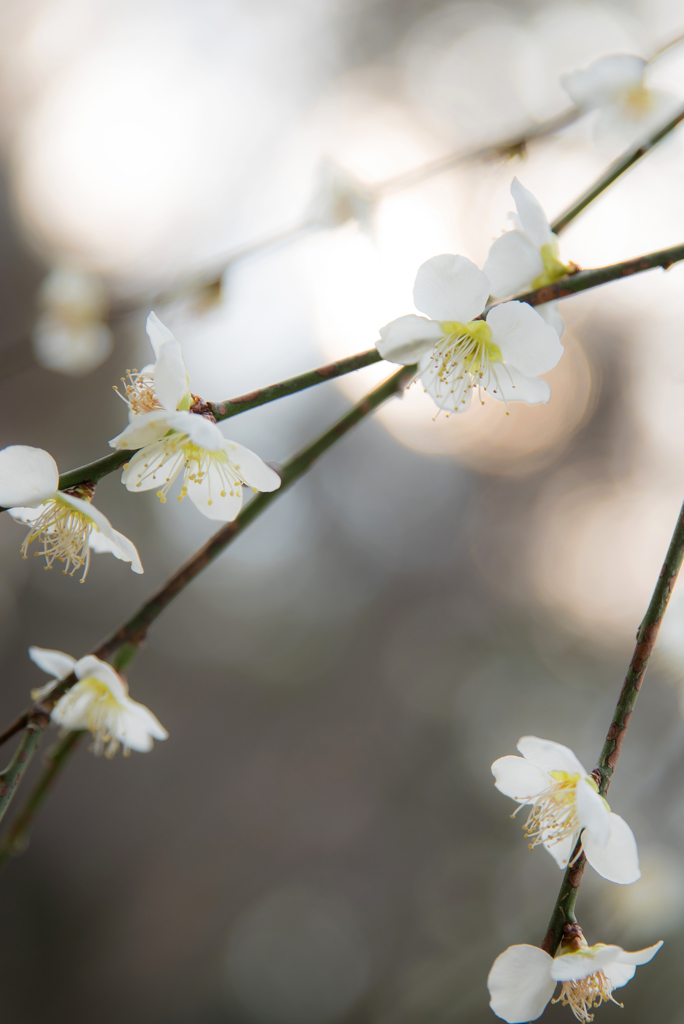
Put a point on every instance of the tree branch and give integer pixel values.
(616, 169)
(564, 910)
(131, 634)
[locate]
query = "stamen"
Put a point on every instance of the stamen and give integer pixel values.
(466, 358)
(586, 994)
(553, 816)
(64, 533)
(138, 393)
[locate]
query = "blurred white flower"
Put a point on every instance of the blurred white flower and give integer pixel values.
(457, 353)
(64, 522)
(564, 800)
(526, 257)
(339, 198)
(98, 702)
(615, 85)
(523, 978)
(172, 438)
(70, 335)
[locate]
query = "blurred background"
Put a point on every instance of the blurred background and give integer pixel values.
(320, 840)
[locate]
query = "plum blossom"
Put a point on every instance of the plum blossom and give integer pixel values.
(564, 801)
(98, 702)
(457, 353)
(70, 335)
(527, 256)
(615, 86)
(65, 523)
(523, 978)
(176, 433)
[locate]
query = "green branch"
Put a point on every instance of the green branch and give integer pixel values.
(564, 910)
(233, 406)
(131, 634)
(616, 169)
(585, 279)
(36, 720)
(19, 832)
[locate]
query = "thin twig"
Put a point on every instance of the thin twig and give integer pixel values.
(132, 633)
(19, 832)
(564, 910)
(36, 720)
(622, 164)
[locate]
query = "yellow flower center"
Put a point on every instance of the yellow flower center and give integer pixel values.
(64, 534)
(176, 453)
(465, 358)
(553, 816)
(553, 268)
(101, 715)
(637, 103)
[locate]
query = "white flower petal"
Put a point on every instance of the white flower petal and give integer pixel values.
(170, 375)
(108, 539)
(550, 756)
(561, 851)
(548, 311)
(408, 338)
(619, 974)
(152, 467)
(525, 341)
(520, 984)
(157, 332)
(641, 956)
(55, 663)
(199, 429)
(618, 860)
(512, 264)
(91, 667)
(582, 963)
(450, 288)
(512, 386)
(28, 476)
(206, 496)
(534, 221)
(593, 813)
(71, 709)
(251, 468)
(604, 79)
(519, 779)
(144, 428)
(138, 726)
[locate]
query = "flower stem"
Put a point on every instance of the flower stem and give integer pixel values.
(128, 638)
(36, 720)
(19, 833)
(622, 164)
(233, 406)
(564, 910)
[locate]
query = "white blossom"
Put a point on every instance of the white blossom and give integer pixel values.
(524, 978)
(339, 198)
(70, 335)
(98, 702)
(174, 440)
(457, 353)
(527, 256)
(65, 523)
(564, 801)
(615, 86)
